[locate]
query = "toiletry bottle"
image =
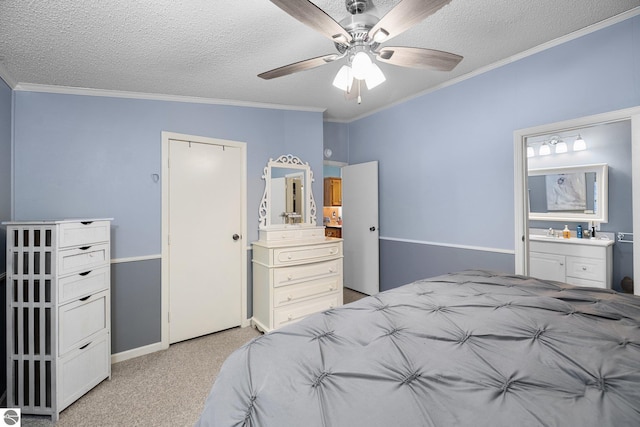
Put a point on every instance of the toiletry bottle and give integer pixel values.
(579, 231)
(566, 233)
(593, 229)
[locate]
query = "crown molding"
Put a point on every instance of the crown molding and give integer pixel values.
(69, 90)
(6, 77)
(540, 48)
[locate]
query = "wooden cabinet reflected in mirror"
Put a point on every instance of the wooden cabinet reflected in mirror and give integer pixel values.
(333, 191)
(332, 212)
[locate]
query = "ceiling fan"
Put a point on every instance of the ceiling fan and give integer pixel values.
(359, 36)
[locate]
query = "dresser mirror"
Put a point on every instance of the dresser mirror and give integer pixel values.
(570, 193)
(288, 199)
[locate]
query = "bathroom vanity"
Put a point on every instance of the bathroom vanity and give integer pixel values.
(582, 262)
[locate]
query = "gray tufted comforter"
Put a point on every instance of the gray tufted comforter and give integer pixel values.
(468, 349)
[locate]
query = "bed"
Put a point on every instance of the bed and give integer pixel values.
(474, 348)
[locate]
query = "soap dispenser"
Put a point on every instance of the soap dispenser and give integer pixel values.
(566, 233)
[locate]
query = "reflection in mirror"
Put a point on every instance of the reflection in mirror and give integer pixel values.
(287, 196)
(569, 193)
(564, 192)
(288, 199)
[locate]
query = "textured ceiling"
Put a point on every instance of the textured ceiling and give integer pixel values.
(215, 48)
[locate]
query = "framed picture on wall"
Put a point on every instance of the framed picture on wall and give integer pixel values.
(566, 192)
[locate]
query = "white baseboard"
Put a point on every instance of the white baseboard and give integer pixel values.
(152, 348)
(136, 352)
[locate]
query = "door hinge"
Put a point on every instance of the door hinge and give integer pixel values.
(169, 317)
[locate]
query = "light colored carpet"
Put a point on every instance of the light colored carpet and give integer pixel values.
(349, 295)
(166, 388)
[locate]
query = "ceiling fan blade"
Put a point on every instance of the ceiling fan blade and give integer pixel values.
(316, 18)
(307, 64)
(406, 14)
(419, 58)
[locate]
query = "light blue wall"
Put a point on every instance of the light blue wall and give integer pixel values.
(5, 166)
(5, 206)
(86, 156)
(446, 158)
(94, 157)
(336, 138)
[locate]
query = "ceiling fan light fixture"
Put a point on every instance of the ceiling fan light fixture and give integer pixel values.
(361, 64)
(344, 79)
(374, 76)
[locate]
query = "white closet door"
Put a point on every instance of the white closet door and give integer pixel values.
(360, 227)
(205, 268)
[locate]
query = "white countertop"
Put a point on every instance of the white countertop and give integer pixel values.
(598, 241)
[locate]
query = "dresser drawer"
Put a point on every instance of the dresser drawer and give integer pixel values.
(294, 312)
(303, 254)
(83, 284)
(301, 273)
(586, 268)
(83, 233)
(81, 319)
(83, 369)
(83, 259)
(584, 282)
(315, 288)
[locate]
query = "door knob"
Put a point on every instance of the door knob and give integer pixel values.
(372, 229)
(236, 237)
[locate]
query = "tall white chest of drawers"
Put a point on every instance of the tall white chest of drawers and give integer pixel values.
(58, 312)
(294, 276)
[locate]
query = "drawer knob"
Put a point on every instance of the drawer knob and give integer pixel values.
(331, 306)
(330, 270)
(289, 277)
(584, 268)
(331, 288)
(289, 256)
(289, 297)
(290, 317)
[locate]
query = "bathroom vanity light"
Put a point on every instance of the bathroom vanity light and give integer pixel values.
(579, 144)
(545, 150)
(560, 147)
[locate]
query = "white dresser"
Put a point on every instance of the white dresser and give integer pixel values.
(582, 262)
(295, 274)
(58, 312)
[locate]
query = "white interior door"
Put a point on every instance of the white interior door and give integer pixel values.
(360, 227)
(205, 248)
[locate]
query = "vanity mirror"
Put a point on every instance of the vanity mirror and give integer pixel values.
(288, 199)
(570, 193)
